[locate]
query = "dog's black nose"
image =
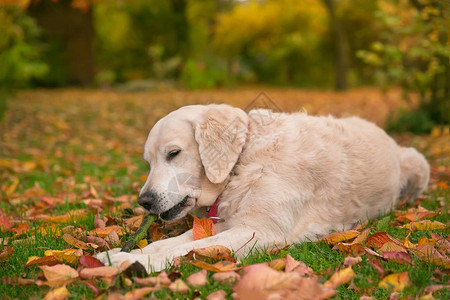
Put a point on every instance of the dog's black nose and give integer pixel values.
(147, 200)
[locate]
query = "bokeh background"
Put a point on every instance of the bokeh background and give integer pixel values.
(148, 45)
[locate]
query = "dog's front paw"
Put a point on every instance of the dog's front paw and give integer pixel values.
(103, 256)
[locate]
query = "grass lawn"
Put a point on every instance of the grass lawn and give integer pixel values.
(69, 150)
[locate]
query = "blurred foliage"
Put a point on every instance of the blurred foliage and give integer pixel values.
(19, 52)
(413, 52)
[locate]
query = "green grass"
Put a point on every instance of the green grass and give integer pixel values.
(101, 144)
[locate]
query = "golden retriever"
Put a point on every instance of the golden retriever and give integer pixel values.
(275, 177)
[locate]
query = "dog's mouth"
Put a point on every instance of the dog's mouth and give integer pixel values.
(176, 212)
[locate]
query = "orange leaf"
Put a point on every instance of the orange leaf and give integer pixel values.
(391, 247)
(336, 237)
(71, 216)
(217, 252)
(429, 254)
(352, 249)
(74, 242)
(397, 281)
(90, 273)
(379, 239)
(5, 253)
(59, 273)
(198, 279)
(105, 231)
(277, 264)
(221, 266)
(203, 228)
(46, 260)
(138, 293)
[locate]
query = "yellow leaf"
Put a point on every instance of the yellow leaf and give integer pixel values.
(69, 256)
(397, 281)
(11, 189)
(142, 243)
(340, 277)
(391, 247)
(60, 293)
(50, 229)
(336, 237)
(425, 225)
(74, 242)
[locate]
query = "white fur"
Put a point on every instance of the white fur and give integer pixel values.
(288, 177)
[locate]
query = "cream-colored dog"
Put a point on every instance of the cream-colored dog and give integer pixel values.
(278, 178)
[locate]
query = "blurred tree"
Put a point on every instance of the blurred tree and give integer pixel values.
(413, 51)
(20, 49)
(69, 34)
(340, 43)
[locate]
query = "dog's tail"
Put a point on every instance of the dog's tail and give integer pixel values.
(415, 173)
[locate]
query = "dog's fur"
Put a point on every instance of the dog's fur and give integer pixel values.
(281, 178)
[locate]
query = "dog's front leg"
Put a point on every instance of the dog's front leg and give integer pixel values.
(239, 238)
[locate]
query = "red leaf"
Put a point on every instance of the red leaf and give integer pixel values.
(203, 228)
(5, 224)
(90, 262)
(398, 257)
(378, 239)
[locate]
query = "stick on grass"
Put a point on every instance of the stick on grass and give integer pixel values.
(140, 234)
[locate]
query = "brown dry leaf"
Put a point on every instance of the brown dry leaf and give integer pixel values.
(351, 261)
(138, 293)
(91, 273)
(352, 249)
(133, 223)
(398, 257)
(98, 222)
(340, 277)
(178, 286)
(391, 247)
(299, 267)
(197, 279)
(221, 266)
(46, 260)
(60, 293)
(424, 225)
(74, 242)
(259, 280)
(226, 277)
(397, 281)
(277, 264)
(217, 295)
(217, 252)
(105, 231)
(429, 254)
(59, 273)
(113, 238)
(203, 228)
(162, 280)
(362, 237)
(336, 237)
(377, 240)
(69, 256)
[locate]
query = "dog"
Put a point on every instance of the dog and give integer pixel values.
(274, 179)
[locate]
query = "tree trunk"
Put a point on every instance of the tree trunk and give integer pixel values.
(72, 29)
(341, 57)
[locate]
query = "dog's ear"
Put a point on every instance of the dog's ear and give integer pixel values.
(221, 133)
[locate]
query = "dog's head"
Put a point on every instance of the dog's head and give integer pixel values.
(191, 153)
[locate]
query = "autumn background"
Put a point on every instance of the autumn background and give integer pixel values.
(83, 81)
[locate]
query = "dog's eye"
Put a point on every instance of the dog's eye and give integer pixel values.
(172, 154)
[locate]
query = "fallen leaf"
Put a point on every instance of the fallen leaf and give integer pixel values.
(98, 222)
(60, 293)
(197, 279)
(299, 267)
(59, 273)
(106, 271)
(340, 277)
(217, 295)
(351, 261)
(5, 224)
(221, 266)
(397, 281)
(362, 237)
(426, 241)
(138, 293)
(113, 238)
(203, 228)
(429, 254)
(217, 252)
(415, 216)
(398, 257)
(71, 216)
(21, 229)
(391, 247)
(336, 237)
(69, 256)
(277, 264)
(226, 277)
(424, 225)
(374, 263)
(162, 280)
(377, 240)
(178, 286)
(74, 242)
(46, 260)
(352, 249)
(142, 243)
(105, 231)
(88, 261)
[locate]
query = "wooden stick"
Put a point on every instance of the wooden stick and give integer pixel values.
(140, 234)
